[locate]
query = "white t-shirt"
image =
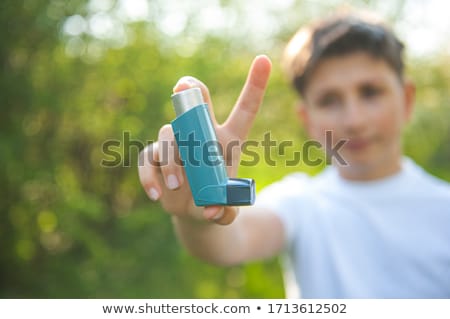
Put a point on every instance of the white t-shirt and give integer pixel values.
(388, 238)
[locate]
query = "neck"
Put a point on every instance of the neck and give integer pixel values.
(377, 170)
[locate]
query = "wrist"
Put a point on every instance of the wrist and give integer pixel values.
(189, 220)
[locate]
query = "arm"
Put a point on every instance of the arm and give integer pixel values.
(214, 233)
(254, 234)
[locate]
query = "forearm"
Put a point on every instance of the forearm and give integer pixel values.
(218, 244)
(255, 234)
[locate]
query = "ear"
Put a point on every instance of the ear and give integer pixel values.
(303, 116)
(302, 113)
(409, 90)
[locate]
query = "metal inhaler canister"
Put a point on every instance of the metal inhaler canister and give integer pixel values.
(202, 157)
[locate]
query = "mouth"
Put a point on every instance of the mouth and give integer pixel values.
(357, 144)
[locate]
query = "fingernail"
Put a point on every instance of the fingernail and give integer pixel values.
(187, 79)
(184, 80)
(153, 193)
(172, 182)
(219, 215)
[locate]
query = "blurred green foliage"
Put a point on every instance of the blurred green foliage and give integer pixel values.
(70, 227)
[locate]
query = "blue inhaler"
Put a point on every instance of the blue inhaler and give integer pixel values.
(202, 157)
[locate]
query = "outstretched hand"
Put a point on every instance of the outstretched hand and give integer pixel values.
(168, 183)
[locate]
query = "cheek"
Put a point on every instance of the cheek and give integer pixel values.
(389, 121)
(319, 124)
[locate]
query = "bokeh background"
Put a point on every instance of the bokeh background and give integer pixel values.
(76, 73)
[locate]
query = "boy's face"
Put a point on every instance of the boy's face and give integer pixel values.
(360, 99)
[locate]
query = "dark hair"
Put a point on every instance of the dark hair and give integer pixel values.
(339, 35)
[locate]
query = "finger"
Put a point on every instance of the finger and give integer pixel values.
(241, 118)
(229, 215)
(222, 215)
(148, 169)
(169, 158)
(211, 212)
(188, 82)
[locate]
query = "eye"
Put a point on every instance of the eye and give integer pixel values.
(328, 100)
(370, 91)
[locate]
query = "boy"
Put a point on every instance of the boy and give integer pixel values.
(378, 227)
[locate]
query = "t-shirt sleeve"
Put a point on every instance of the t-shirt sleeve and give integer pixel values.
(284, 198)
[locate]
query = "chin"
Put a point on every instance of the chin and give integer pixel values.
(359, 160)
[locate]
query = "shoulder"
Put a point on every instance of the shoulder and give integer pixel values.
(428, 183)
(288, 199)
(291, 185)
(294, 192)
(300, 184)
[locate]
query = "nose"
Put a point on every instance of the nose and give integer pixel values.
(355, 118)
